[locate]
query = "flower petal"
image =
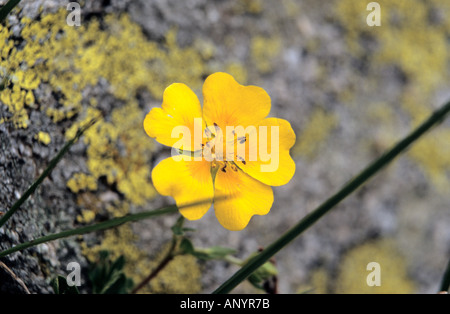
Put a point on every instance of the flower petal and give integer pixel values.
(227, 103)
(180, 111)
(187, 182)
(238, 197)
(272, 166)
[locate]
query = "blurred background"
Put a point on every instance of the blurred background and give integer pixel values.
(349, 90)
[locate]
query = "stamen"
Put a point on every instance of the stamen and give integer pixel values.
(216, 126)
(242, 139)
(241, 159)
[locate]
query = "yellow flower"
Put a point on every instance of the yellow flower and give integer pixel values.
(231, 152)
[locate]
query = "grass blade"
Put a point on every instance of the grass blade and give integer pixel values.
(96, 227)
(103, 225)
(45, 173)
(4, 11)
(436, 118)
(445, 285)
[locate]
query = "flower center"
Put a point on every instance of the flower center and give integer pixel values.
(224, 149)
(224, 166)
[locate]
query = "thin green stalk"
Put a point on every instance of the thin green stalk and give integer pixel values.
(445, 285)
(233, 260)
(254, 263)
(164, 262)
(45, 173)
(4, 11)
(96, 227)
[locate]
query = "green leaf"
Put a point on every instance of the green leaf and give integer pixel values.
(107, 276)
(218, 252)
(262, 274)
(60, 286)
(119, 285)
(177, 228)
(256, 281)
(445, 284)
(186, 247)
(3, 83)
(214, 252)
(264, 278)
(118, 264)
(189, 229)
(177, 231)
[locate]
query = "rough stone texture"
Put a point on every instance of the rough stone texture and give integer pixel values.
(310, 72)
(40, 215)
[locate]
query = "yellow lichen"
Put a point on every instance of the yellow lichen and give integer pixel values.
(70, 59)
(116, 151)
(206, 48)
(352, 276)
(182, 274)
(291, 8)
(353, 272)
(43, 137)
(248, 6)
(14, 99)
(87, 216)
(82, 181)
(263, 51)
(117, 147)
(414, 39)
(381, 120)
(120, 241)
(238, 71)
(316, 131)
(433, 155)
(318, 282)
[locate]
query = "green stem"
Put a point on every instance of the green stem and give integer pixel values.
(45, 173)
(96, 227)
(4, 11)
(437, 117)
(233, 260)
(445, 285)
(166, 260)
(3, 83)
